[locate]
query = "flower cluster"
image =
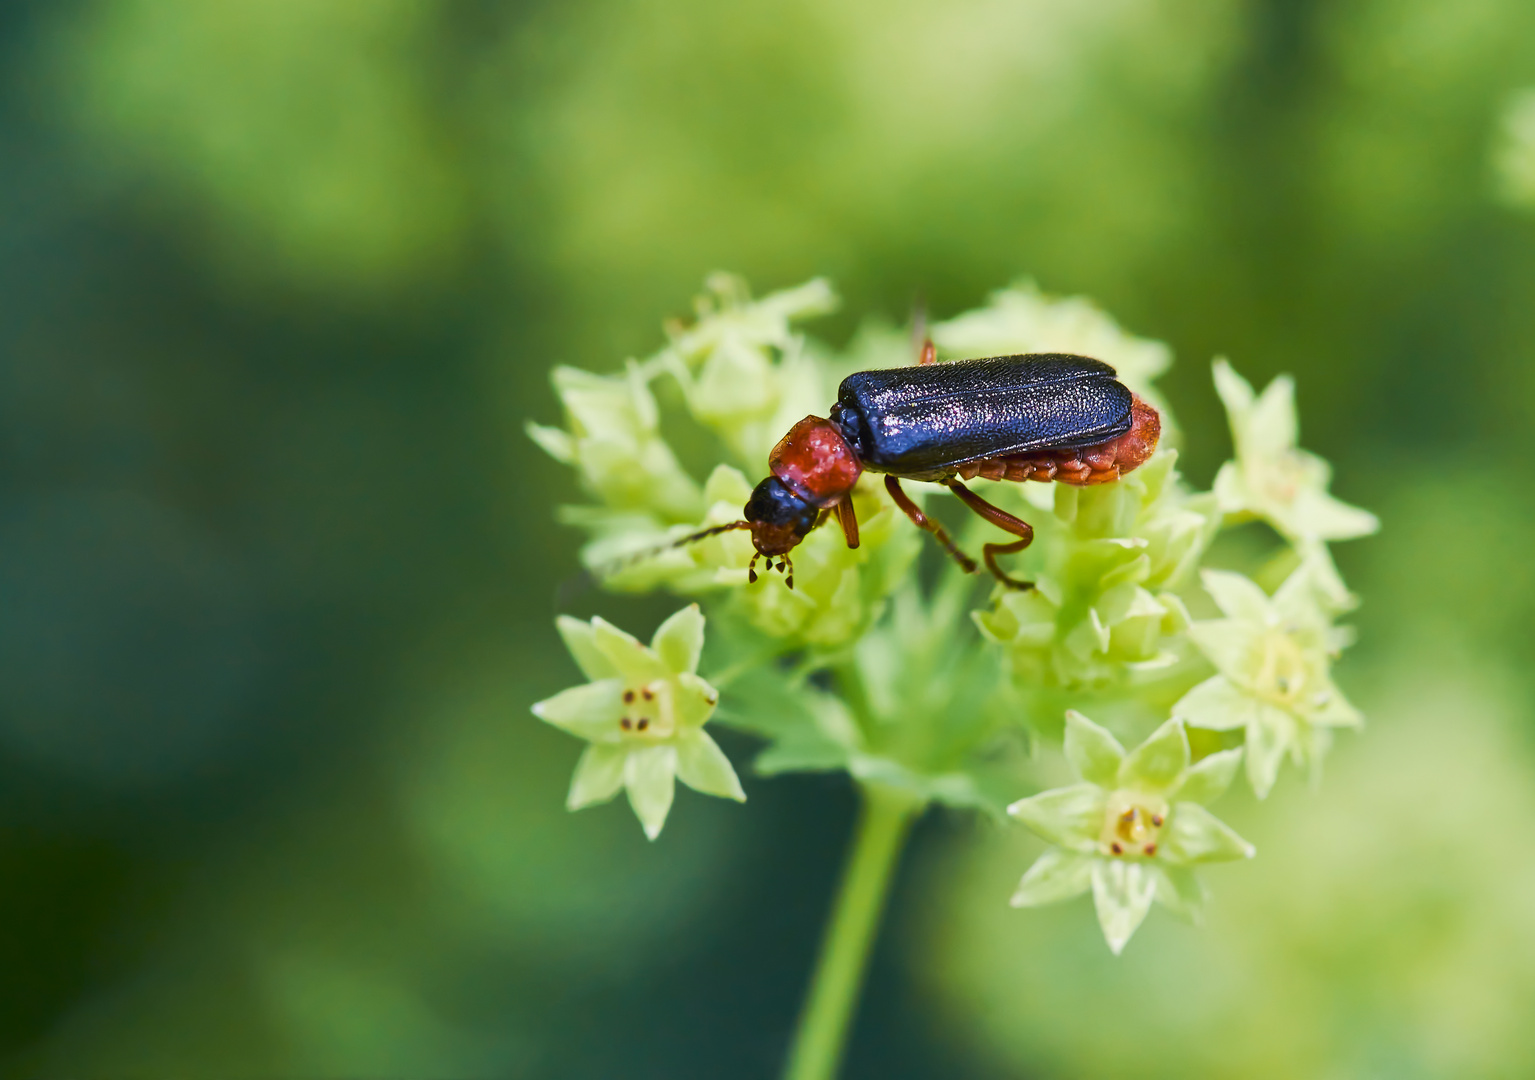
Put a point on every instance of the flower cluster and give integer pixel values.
(893, 665)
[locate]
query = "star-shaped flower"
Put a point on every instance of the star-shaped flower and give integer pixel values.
(1132, 830)
(1271, 477)
(643, 714)
(1273, 656)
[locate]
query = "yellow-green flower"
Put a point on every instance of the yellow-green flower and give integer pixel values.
(1271, 477)
(1273, 657)
(1132, 830)
(614, 443)
(742, 369)
(643, 714)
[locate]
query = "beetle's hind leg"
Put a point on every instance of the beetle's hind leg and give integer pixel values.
(1002, 520)
(922, 521)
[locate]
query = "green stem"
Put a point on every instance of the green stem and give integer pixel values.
(883, 822)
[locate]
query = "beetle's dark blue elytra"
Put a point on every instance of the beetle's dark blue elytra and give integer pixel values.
(923, 421)
(1048, 417)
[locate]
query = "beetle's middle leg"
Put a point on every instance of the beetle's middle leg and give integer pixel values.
(1002, 520)
(922, 521)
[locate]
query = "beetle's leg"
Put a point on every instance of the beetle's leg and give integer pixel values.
(1002, 520)
(846, 518)
(922, 521)
(929, 353)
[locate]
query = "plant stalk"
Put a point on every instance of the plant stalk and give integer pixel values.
(884, 820)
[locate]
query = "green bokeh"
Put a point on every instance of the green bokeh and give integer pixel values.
(280, 283)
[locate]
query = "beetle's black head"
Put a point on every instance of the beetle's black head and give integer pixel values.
(779, 518)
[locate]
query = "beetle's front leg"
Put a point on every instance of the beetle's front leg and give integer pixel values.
(922, 521)
(1002, 520)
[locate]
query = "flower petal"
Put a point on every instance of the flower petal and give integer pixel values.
(555, 442)
(1209, 778)
(1269, 734)
(590, 711)
(1238, 596)
(1270, 428)
(1236, 393)
(599, 774)
(635, 664)
(1335, 711)
(1122, 894)
(1092, 751)
(1227, 643)
(703, 766)
(1194, 835)
(1318, 515)
(1158, 762)
(650, 775)
(679, 640)
(1056, 875)
(695, 701)
(581, 640)
(1180, 891)
(1069, 817)
(1217, 704)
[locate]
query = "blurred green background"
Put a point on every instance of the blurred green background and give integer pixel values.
(280, 281)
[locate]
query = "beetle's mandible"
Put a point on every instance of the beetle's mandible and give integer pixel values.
(1047, 416)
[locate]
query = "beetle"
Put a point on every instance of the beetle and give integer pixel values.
(1040, 416)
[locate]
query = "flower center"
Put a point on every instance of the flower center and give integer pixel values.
(1282, 673)
(1132, 823)
(648, 711)
(1281, 479)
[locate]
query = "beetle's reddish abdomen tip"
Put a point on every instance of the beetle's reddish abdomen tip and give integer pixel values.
(1140, 442)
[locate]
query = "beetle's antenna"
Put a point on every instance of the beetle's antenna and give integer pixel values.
(624, 561)
(787, 566)
(704, 534)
